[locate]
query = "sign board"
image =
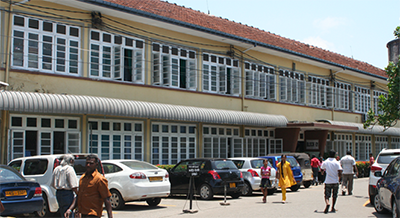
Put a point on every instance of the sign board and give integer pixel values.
(312, 144)
(193, 170)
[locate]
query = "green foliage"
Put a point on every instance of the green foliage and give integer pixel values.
(363, 168)
(166, 167)
(388, 106)
(396, 32)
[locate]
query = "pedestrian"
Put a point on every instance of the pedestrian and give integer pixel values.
(315, 168)
(333, 172)
(285, 176)
(265, 183)
(349, 167)
(371, 161)
(321, 175)
(65, 182)
(92, 193)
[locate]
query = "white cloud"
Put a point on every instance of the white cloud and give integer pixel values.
(318, 42)
(329, 23)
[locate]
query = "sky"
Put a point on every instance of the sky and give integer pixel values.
(353, 28)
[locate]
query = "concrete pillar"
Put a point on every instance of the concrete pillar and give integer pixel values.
(289, 136)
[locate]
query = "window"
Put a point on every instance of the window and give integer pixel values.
(222, 143)
(257, 143)
(116, 57)
(319, 93)
(342, 96)
(116, 142)
(260, 81)
(46, 46)
(292, 87)
(221, 75)
(341, 144)
(381, 142)
(174, 67)
(363, 147)
(362, 99)
(377, 110)
(395, 142)
(169, 146)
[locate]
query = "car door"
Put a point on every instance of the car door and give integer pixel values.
(178, 178)
(387, 183)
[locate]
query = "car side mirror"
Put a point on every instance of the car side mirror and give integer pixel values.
(378, 174)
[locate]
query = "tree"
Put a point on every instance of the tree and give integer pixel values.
(389, 106)
(397, 32)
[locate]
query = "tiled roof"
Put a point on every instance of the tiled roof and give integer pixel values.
(191, 16)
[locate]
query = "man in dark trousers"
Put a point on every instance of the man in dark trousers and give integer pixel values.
(92, 193)
(315, 168)
(333, 172)
(349, 167)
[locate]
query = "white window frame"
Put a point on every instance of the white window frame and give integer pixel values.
(341, 144)
(363, 147)
(376, 95)
(381, 142)
(46, 51)
(395, 143)
(362, 99)
(292, 87)
(318, 92)
(216, 71)
(260, 81)
(342, 96)
(216, 140)
(166, 62)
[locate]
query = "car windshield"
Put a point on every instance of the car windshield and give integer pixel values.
(7, 175)
(387, 158)
(258, 163)
(136, 165)
(224, 165)
(293, 162)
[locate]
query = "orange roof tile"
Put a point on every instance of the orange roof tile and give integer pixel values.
(191, 16)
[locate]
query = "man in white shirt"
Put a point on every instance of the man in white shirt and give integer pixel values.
(349, 167)
(64, 180)
(333, 172)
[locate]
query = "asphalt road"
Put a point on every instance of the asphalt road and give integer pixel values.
(303, 203)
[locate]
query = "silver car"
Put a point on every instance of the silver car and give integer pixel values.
(251, 170)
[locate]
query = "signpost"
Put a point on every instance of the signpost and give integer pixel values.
(192, 172)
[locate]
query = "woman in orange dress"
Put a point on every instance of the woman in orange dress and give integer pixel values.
(285, 176)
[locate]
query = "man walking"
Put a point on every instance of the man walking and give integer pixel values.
(333, 172)
(349, 167)
(93, 192)
(64, 180)
(315, 168)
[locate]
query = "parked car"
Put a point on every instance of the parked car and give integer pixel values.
(18, 195)
(305, 165)
(388, 189)
(298, 176)
(133, 180)
(381, 162)
(251, 170)
(40, 169)
(214, 174)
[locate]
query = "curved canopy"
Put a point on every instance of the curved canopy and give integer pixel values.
(32, 102)
(376, 130)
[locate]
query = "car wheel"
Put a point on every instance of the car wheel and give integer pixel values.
(153, 202)
(206, 192)
(45, 212)
(247, 190)
(307, 184)
(271, 191)
(116, 200)
(394, 209)
(377, 205)
(235, 195)
(295, 188)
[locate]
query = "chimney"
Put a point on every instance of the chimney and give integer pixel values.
(394, 50)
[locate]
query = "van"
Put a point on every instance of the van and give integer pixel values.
(40, 169)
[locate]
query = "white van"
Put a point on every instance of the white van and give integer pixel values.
(40, 169)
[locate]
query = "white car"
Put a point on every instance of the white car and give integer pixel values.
(251, 170)
(381, 162)
(133, 180)
(40, 169)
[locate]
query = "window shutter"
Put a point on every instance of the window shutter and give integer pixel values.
(263, 85)
(138, 67)
(174, 78)
(191, 74)
(73, 142)
(271, 83)
(206, 77)
(213, 79)
(235, 81)
(156, 69)
(117, 63)
(17, 144)
(222, 79)
(283, 88)
(166, 69)
(249, 83)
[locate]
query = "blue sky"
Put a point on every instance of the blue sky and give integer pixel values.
(353, 28)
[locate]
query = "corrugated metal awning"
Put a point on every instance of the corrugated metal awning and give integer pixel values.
(375, 130)
(32, 102)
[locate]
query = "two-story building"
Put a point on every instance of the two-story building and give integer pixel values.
(154, 81)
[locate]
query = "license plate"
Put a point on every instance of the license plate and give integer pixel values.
(232, 185)
(15, 193)
(157, 178)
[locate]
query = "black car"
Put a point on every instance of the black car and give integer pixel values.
(213, 175)
(388, 196)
